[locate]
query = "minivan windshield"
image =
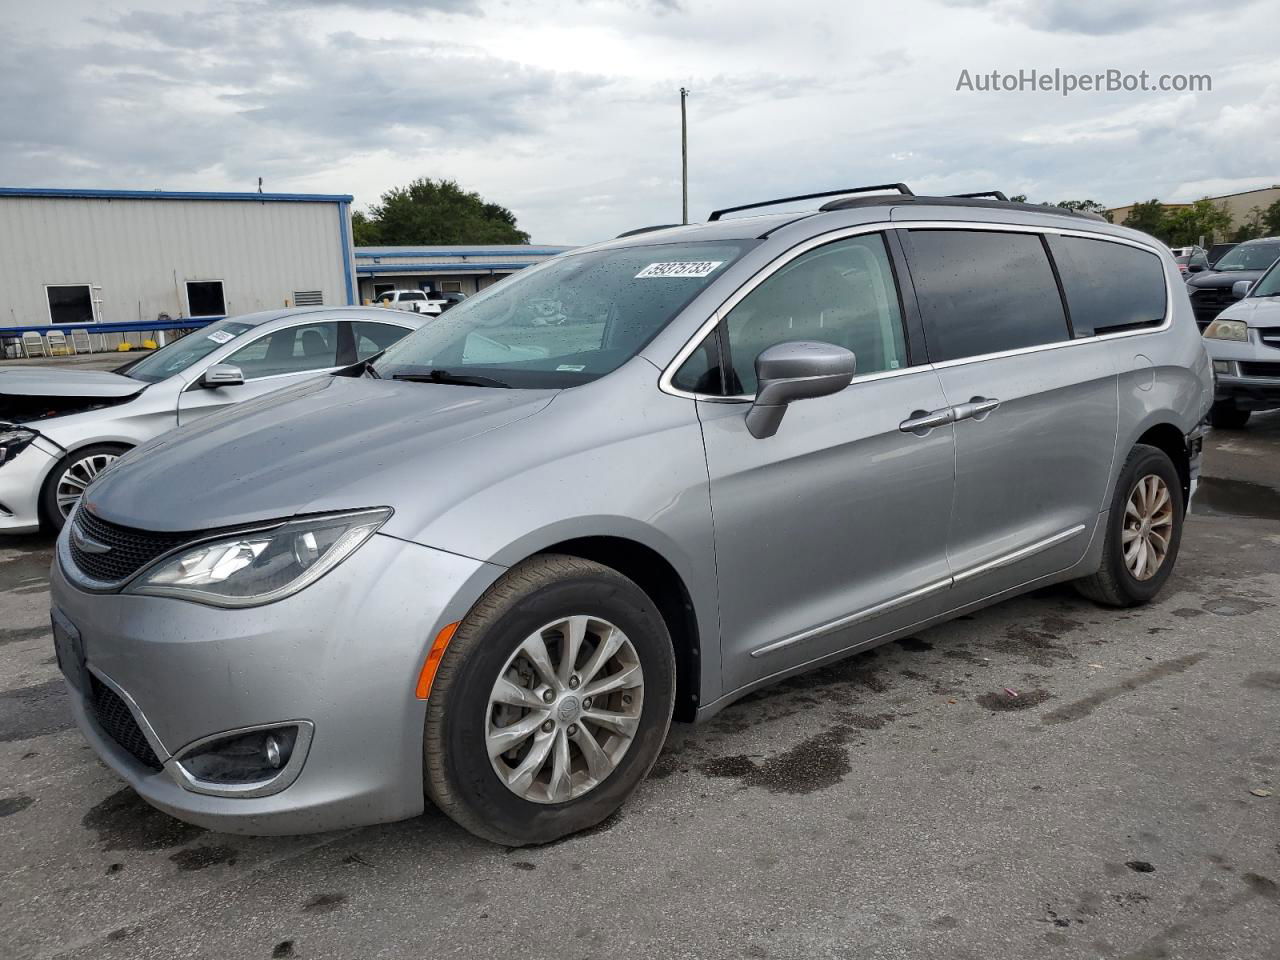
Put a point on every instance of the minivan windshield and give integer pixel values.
(563, 323)
(180, 354)
(1249, 256)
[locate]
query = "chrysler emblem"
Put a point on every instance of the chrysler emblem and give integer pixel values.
(87, 544)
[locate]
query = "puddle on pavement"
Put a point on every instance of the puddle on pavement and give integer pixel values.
(1219, 497)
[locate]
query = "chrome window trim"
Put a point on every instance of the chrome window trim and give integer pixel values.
(669, 371)
(936, 586)
(282, 779)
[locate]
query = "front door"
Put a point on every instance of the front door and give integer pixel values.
(1035, 409)
(271, 362)
(833, 531)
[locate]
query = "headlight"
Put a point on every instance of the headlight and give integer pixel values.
(1227, 330)
(257, 567)
(13, 441)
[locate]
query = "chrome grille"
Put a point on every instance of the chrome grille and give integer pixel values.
(128, 550)
(1209, 302)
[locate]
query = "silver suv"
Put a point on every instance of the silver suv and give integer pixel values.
(1244, 344)
(487, 568)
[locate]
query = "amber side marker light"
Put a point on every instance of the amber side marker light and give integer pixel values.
(434, 656)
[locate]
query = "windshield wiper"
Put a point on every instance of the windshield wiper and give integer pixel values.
(445, 376)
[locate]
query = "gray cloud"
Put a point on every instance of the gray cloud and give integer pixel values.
(1096, 17)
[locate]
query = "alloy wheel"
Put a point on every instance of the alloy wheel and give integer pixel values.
(76, 477)
(564, 709)
(1148, 527)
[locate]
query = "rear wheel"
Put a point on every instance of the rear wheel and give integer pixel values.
(551, 703)
(1144, 531)
(68, 480)
(1226, 415)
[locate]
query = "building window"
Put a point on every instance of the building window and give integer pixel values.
(308, 298)
(205, 299)
(70, 303)
(450, 286)
(380, 288)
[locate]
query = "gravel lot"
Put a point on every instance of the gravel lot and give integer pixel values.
(899, 804)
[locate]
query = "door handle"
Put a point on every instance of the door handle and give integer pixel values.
(975, 409)
(921, 422)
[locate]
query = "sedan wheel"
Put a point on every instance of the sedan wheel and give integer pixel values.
(564, 709)
(78, 475)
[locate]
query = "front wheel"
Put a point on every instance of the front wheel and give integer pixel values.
(1144, 531)
(70, 477)
(551, 703)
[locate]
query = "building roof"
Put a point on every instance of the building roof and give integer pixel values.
(174, 195)
(463, 250)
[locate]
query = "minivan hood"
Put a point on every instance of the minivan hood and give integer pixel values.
(330, 443)
(65, 382)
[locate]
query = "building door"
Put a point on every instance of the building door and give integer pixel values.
(70, 303)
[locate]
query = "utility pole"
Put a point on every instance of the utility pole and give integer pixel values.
(684, 157)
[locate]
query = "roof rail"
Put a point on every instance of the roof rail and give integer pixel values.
(993, 194)
(851, 203)
(902, 188)
(632, 233)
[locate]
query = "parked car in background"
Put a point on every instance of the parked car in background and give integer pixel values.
(1217, 251)
(61, 426)
(1210, 291)
(413, 301)
(492, 580)
(1189, 263)
(1244, 344)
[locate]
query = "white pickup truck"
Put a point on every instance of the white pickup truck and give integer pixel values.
(414, 301)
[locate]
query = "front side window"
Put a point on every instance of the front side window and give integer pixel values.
(567, 321)
(842, 293)
(984, 292)
(181, 354)
(1249, 256)
(1269, 285)
(290, 350)
(1109, 286)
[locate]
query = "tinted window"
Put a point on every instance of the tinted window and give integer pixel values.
(412, 295)
(291, 350)
(1109, 286)
(984, 292)
(701, 372)
(843, 293)
(373, 338)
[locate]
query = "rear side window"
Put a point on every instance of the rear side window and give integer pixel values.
(373, 337)
(984, 292)
(1109, 286)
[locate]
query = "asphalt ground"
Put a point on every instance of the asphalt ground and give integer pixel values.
(900, 804)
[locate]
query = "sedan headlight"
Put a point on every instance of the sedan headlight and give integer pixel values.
(261, 566)
(1227, 330)
(13, 440)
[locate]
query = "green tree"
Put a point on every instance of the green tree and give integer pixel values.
(435, 212)
(1271, 219)
(1086, 206)
(1018, 198)
(1201, 219)
(1148, 217)
(1252, 226)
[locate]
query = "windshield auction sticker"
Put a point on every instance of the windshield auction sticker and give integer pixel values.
(680, 268)
(220, 336)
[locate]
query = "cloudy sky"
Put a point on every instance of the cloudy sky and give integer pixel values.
(567, 111)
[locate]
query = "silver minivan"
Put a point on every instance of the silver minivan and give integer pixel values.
(487, 568)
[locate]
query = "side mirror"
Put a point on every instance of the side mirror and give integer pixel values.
(1240, 289)
(797, 370)
(222, 375)
(1196, 267)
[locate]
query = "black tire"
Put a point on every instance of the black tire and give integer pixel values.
(459, 777)
(1225, 415)
(1114, 585)
(50, 514)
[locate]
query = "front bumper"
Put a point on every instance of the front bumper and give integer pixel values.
(20, 482)
(343, 654)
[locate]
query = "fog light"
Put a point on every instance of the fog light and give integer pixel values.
(241, 758)
(1222, 366)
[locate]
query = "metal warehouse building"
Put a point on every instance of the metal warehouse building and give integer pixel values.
(442, 269)
(131, 256)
